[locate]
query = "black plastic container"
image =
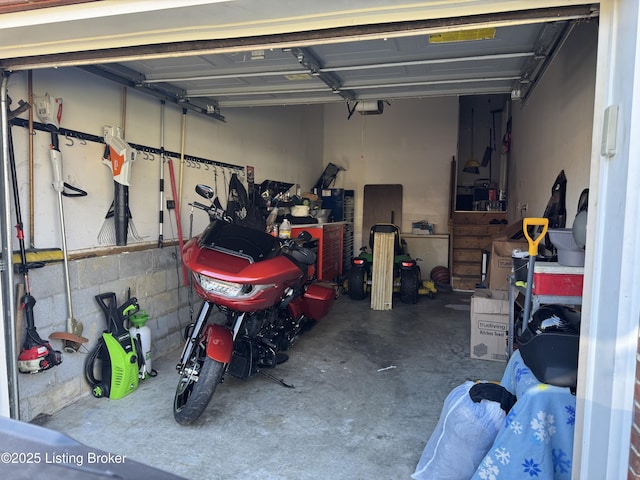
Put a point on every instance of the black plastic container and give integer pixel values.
(520, 268)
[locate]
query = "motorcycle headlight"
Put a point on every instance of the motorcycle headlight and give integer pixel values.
(213, 285)
(227, 289)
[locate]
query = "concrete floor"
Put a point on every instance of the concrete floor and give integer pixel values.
(369, 388)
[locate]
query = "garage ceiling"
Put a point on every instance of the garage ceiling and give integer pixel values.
(363, 65)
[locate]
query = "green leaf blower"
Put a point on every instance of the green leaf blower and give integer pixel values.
(116, 351)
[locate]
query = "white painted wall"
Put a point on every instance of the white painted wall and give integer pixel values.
(282, 143)
(411, 143)
(553, 130)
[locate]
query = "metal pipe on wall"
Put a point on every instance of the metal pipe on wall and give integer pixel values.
(162, 160)
(32, 229)
(7, 299)
(184, 131)
(123, 120)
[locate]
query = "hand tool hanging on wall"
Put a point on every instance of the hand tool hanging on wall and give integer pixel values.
(177, 196)
(162, 159)
(36, 354)
(50, 112)
(88, 137)
(176, 209)
(119, 157)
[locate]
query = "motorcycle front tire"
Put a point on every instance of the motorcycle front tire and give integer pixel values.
(192, 397)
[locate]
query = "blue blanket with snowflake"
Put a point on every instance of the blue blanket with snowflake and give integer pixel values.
(537, 438)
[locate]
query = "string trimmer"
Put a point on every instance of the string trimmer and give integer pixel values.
(36, 354)
(49, 111)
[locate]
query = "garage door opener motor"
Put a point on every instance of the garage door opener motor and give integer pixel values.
(116, 350)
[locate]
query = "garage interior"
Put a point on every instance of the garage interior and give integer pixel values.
(409, 103)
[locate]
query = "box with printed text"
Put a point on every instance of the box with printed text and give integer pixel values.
(489, 325)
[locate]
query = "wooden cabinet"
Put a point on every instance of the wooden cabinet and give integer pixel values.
(330, 246)
(471, 234)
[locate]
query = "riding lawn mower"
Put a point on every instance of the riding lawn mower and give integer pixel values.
(407, 279)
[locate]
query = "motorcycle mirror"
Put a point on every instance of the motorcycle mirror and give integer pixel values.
(204, 191)
(304, 236)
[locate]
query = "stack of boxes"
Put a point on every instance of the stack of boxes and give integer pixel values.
(490, 306)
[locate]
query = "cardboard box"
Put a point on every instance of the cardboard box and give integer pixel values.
(501, 263)
(489, 325)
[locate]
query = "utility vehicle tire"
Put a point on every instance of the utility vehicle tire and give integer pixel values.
(192, 397)
(357, 285)
(409, 285)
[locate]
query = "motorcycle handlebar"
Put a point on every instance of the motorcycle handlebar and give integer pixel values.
(214, 213)
(200, 206)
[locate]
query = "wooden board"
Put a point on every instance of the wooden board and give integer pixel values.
(382, 275)
(381, 204)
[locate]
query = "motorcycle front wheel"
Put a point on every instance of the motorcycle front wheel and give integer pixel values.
(196, 387)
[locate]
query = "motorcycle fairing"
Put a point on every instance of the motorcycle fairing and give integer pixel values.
(221, 265)
(248, 242)
(219, 342)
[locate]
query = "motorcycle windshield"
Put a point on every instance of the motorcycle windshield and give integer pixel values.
(247, 242)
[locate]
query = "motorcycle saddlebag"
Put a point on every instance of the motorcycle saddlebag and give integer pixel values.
(318, 300)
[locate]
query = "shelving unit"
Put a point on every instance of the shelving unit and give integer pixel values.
(562, 285)
(342, 205)
(347, 238)
(471, 233)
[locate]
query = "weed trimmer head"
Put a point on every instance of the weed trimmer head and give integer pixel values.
(71, 343)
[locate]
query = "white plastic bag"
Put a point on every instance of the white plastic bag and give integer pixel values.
(463, 436)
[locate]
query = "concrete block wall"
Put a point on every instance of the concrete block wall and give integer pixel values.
(155, 279)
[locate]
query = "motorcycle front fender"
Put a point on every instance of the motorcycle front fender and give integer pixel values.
(219, 342)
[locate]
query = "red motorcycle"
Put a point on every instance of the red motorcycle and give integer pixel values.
(264, 288)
